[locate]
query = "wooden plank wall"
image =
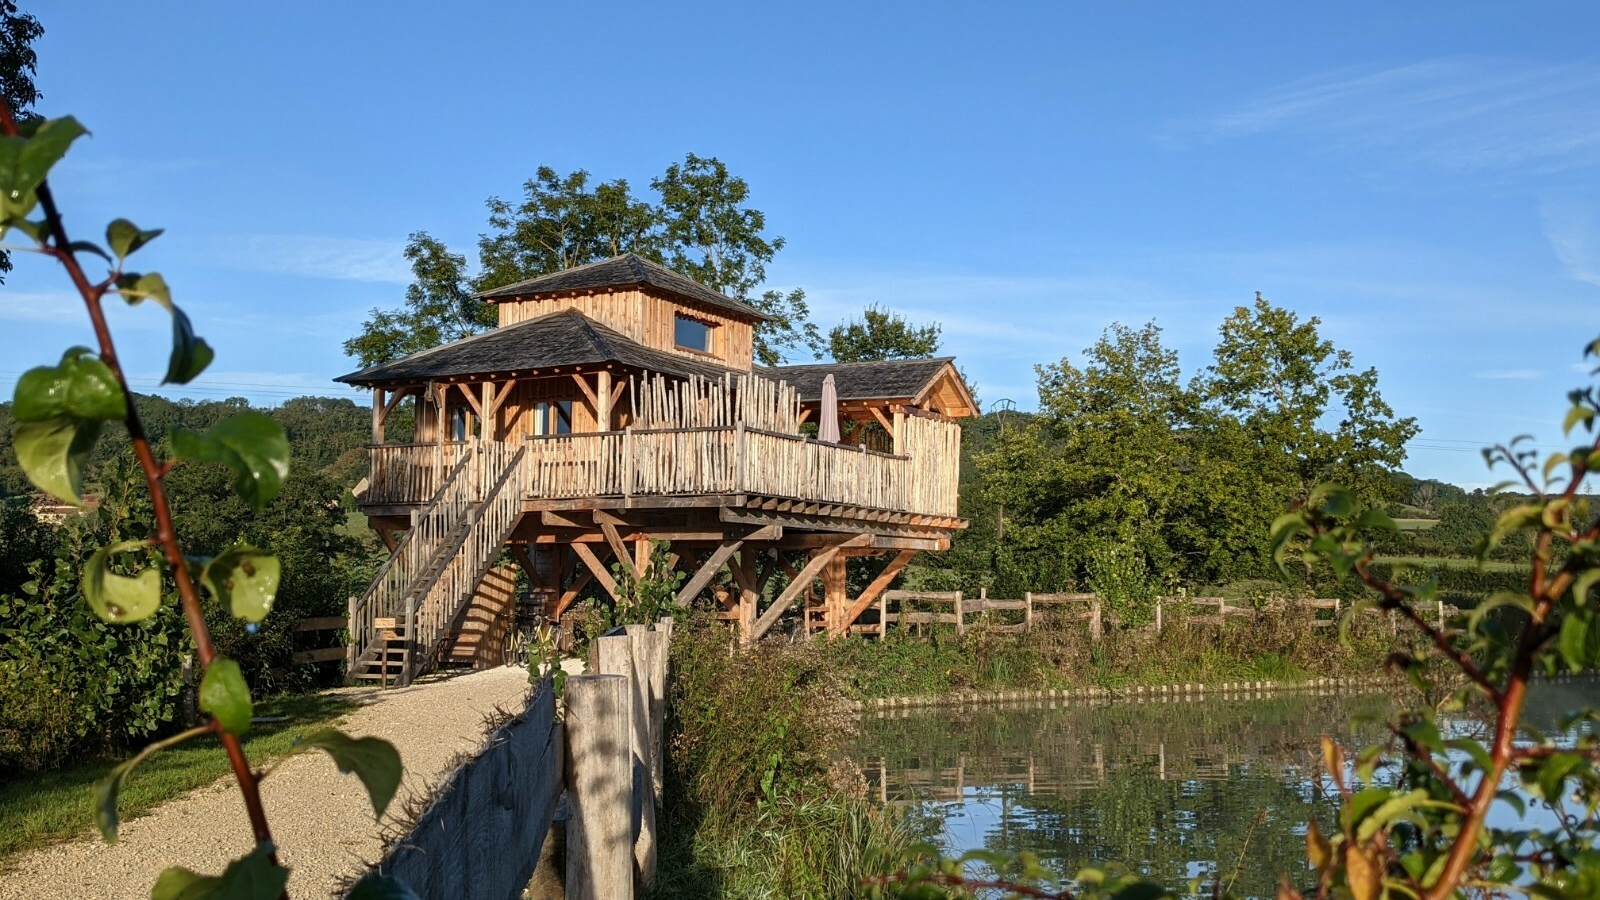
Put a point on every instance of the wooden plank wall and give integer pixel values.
(646, 317)
(479, 838)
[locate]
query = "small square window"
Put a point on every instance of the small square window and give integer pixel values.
(691, 334)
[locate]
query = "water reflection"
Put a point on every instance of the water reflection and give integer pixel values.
(1181, 791)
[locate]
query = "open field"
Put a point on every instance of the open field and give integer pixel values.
(1415, 524)
(1441, 562)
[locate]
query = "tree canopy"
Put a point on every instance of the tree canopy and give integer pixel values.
(700, 224)
(882, 334)
(18, 64)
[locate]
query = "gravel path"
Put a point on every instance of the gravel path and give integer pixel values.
(322, 820)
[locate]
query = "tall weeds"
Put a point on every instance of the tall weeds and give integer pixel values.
(760, 800)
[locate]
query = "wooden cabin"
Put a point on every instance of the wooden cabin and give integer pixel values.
(617, 404)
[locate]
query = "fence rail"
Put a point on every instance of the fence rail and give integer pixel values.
(1193, 610)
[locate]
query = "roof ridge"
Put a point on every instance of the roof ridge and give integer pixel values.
(865, 362)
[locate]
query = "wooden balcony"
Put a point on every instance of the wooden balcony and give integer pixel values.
(689, 462)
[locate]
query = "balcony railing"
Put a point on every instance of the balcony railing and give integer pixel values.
(690, 461)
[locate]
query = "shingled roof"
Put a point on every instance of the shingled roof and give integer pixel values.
(889, 379)
(566, 338)
(622, 271)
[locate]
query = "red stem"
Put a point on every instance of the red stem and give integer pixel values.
(154, 471)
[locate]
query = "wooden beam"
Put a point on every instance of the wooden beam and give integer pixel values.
(602, 402)
(620, 549)
(466, 391)
(524, 558)
(377, 415)
(730, 545)
(882, 419)
(801, 582)
(597, 569)
(870, 595)
(499, 397)
(588, 392)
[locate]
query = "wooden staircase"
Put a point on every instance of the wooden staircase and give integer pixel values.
(399, 626)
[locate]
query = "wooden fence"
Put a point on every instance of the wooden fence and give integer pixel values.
(481, 834)
(901, 608)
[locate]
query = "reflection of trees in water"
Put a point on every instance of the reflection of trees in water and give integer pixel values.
(1171, 788)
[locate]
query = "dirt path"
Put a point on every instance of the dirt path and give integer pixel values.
(321, 819)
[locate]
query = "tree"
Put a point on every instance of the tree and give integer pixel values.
(439, 308)
(700, 226)
(18, 64)
(882, 334)
(1286, 384)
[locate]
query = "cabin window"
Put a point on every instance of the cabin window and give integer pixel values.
(463, 423)
(691, 334)
(552, 417)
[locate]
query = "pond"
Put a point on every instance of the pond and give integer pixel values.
(1180, 791)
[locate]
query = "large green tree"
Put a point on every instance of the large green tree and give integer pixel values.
(882, 334)
(700, 224)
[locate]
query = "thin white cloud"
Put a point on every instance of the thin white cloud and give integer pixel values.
(1509, 374)
(312, 256)
(1570, 227)
(42, 307)
(1459, 113)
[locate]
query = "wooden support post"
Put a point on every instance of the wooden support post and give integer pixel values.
(800, 584)
(835, 596)
(899, 430)
(744, 574)
(961, 618)
(486, 413)
(709, 569)
(1027, 611)
(603, 400)
(1094, 619)
(872, 592)
(599, 788)
(377, 415)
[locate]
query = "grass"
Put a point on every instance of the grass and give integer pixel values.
(1415, 524)
(52, 807)
(1445, 562)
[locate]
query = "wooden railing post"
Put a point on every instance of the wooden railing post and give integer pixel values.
(600, 791)
(961, 622)
(627, 461)
(1094, 619)
(1027, 611)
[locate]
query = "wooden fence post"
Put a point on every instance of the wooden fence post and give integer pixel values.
(1027, 611)
(1094, 619)
(961, 621)
(618, 653)
(1158, 615)
(599, 788)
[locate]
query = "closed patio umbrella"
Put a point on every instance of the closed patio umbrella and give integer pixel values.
(828, 425)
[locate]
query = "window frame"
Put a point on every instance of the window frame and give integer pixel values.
(678, 318)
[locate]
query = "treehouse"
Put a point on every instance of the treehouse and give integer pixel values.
(617, 404)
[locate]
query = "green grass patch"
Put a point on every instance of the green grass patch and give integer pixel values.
(1415, 524)
(50, 807)
(1445, 562)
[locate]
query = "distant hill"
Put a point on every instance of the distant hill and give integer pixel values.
(326, 434)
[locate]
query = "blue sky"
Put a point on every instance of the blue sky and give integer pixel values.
(1423, 177)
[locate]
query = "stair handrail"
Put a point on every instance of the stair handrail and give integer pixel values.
(430, 526)
(431, 606)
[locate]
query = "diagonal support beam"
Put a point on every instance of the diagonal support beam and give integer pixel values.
(619, 548)
(873, 591)
(802, 580)
(524, 558)
(596, 568)
(713, 564)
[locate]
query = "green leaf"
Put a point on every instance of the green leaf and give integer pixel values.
(107, 788)
(88, 247)
(251, 878)
(1554, 771)
(1376, 518)
(251, 444)
(190, 354)
(244, 580)
(380, 887)
(1515, 519)
(1514, 800)
(374, 760)
(1575, 415)
(136, 288)
(1582, 584)
(52, 454)
(1389, 811)
(120, 599)
(26, 161)
(81, 386)
(124, 237)
(224, 694)
(1574, 642)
